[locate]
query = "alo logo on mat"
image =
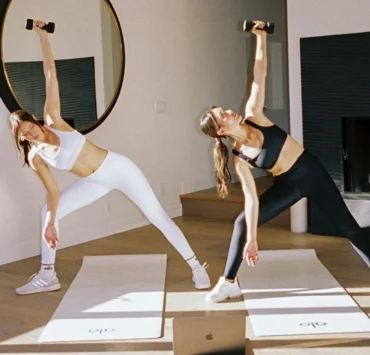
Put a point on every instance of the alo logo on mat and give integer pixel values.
(209, 336)
(314, 325)
(101, 331)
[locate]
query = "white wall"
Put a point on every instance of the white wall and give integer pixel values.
(185, 53)
(317, 18)
(78, 33)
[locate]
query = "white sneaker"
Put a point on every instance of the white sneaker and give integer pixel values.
(224, 290)
(38, 284)
(200, 277)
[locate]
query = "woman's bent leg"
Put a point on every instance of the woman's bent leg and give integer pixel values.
(327, 197)
(81, 193)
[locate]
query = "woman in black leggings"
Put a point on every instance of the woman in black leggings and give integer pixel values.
(297, 174)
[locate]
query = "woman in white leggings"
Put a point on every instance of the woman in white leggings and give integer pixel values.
(58, 145)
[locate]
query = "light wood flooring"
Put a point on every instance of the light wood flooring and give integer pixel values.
(22, 318)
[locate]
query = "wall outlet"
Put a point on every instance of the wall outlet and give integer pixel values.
(160, 107)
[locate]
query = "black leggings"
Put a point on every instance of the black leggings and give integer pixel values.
(306, 178)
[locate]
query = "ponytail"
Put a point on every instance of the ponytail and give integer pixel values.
(221, 158)
(210, 127)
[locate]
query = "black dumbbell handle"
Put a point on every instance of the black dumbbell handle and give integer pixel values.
(248, 25)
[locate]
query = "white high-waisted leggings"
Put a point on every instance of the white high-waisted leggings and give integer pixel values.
(117, 172)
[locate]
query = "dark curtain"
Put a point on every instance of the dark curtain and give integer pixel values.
(76, 86)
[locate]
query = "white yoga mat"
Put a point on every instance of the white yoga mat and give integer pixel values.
(111, 298)
(290, 292)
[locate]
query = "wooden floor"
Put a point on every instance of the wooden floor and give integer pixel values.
(22, 318)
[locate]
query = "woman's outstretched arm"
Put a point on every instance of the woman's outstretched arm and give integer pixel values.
(251, 208)
(256, 99)
(52, 113)
(52, 197)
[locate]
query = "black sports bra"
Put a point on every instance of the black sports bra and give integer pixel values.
(273, 141)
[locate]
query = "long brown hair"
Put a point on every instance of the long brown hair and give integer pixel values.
(210, 127)
(15, 118)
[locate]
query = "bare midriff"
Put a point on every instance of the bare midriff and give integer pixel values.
(289, 153)
(89, 160)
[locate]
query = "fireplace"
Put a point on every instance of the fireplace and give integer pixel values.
(355, 155)
(335, 77)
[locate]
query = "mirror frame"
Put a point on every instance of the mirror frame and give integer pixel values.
(6, 92)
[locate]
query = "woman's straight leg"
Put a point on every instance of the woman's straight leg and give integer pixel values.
(131, 181)
(278, 198)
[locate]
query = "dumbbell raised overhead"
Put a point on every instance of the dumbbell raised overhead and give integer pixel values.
(248, 25)
(49, 27)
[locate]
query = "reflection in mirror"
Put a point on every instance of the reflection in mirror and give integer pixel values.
(88, 51)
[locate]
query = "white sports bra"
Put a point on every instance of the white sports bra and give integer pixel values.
(71, 144)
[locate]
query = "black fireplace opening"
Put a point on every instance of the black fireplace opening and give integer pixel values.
(355, 154)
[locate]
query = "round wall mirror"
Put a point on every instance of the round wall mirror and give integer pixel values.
(88, 49)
